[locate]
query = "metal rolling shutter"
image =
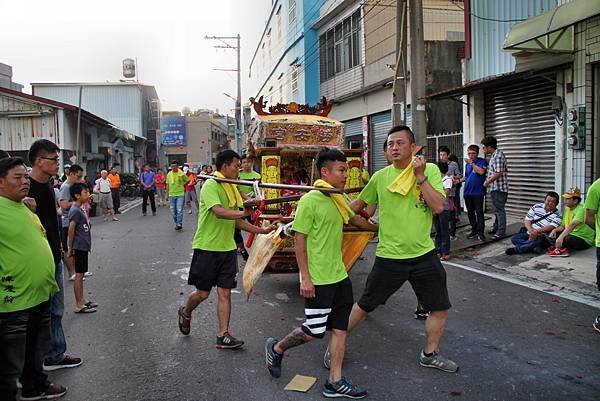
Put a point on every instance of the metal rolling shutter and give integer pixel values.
(380, 125)
(521, 118)
(353, 130)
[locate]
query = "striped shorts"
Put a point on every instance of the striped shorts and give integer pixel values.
(329, 309)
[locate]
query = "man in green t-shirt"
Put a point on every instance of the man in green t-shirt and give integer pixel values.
(324, 283)
(26, 284)
(405, 252)
(214, 262)
(592, 219)
(247, 173)
(573, 234)
(176, 180)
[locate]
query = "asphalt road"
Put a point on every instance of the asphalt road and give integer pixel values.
(512, 343)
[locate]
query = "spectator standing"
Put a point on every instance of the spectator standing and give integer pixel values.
(539, 221)
(592, 219)
(474, 191)
(191, 197)
(44, 159)
(176, 180)
(209, 170)
(148, 189)
(66, 170)
(65, 202)
(160, 185)
(573, 234)
(441, 220)
(79, 242)
(455, 175)
(105, 198)
(115, 187)
(24, 302)
(496, 182)
(248, 174)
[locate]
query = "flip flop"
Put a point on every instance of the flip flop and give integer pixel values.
(85, 309)
(91, 304)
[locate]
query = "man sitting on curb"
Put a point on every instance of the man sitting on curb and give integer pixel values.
(539, 221)
(573, 234)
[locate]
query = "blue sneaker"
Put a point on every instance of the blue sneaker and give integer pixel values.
(342, 388)
(272, 358)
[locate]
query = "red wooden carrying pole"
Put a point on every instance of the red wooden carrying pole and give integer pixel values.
(256, 222)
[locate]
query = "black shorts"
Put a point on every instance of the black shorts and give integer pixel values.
(81, 261)
(425, 273)
(329, 309)
(212, 268)
(63, 237)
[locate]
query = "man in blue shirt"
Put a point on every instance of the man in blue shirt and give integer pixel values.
(474, 191)
(148, 189)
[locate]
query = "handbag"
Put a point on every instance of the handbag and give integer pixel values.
(523, 229)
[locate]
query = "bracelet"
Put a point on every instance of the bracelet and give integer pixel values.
(419, 183)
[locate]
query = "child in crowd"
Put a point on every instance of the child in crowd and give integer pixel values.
(79, 243)
(442, 220)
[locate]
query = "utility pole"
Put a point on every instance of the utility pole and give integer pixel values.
(417, 72)
(238, 101)
(400, 74)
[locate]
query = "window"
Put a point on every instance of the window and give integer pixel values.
(280, 93)
(279, 23)
(292, 13)
(340, 47)
(294, 79)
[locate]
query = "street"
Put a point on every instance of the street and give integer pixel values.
(511, 342)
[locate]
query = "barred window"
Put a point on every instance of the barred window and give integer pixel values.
(340, 47)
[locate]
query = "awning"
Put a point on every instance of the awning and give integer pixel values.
(553, 31)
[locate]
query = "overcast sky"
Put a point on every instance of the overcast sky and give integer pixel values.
(85, 41)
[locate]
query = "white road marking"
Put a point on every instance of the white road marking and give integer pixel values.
(583, 299)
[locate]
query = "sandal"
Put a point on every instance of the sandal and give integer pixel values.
(85, 309)
(91, 304)
(184, 321)
(496, 237)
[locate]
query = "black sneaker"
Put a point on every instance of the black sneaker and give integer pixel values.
(472, 234)
(178, 228)
(272, 357)
(481, 238)
(421, 314)
(228, 342)
(67, 362)
(52, 392)
(596, 324)
(343, 388)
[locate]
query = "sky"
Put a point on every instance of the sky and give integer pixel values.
(86, 41)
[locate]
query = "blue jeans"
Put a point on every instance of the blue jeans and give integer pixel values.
(598, 267)
(442, 233)
(523, 244)
(176, 206)
(58, 343)
(498, 202)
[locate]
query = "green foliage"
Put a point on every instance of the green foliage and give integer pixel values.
(129, 178)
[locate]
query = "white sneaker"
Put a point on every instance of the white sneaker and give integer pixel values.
(72, 278)
(88, 274)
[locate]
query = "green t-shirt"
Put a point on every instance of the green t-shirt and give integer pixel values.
(318, 218)
(251, 175)
(176, 182)
(404, 221)
(582, 230)
(213, 233)
(26, 261)
(592, 202)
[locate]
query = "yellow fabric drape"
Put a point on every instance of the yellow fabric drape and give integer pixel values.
(233, 194)
(568, 217)
(405, 182)
(338, 200)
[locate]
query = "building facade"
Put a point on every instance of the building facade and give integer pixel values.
(6, 78)
(285, 60)
(195, 138)
(357, 55)
(26, 118)
(131, 106)
(541, 105)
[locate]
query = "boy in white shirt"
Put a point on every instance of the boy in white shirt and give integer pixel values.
(442, 220)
